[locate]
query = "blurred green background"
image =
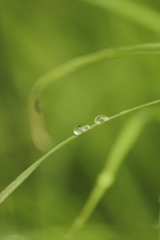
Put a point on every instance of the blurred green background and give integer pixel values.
(34, 37)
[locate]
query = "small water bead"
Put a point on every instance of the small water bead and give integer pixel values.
(78, 130)
(100, 119)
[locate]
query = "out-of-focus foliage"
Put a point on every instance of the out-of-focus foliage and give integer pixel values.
(34, 37)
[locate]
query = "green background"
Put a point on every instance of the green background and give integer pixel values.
(34, 37)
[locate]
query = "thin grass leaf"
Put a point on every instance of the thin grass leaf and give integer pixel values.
(129, 9)
(18, 181)
(125, 141)
(38, 130)
(24, 175)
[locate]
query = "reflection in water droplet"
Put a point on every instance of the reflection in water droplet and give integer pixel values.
(100, 119)
(78, 130)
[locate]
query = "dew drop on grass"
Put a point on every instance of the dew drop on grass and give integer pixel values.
(80, 129)
(100, 119)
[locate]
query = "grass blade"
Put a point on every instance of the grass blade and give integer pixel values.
(39, 133)
(24, 175)
(131, 10)
(125, 141)
(19, 180)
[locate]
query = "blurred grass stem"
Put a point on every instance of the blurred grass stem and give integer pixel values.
(131, 10)
(125, 141)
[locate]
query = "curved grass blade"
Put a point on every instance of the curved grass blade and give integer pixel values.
(129, 9)
(125, 141)
(39, 133)
(19, 180)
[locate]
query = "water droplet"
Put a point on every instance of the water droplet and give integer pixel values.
(100, 119)
(78, 130)
(86, 127)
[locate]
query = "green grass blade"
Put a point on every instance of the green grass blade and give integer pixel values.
(129, 9)
(39, 134)
(125, 141)
(17, 182)
(20, 179)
